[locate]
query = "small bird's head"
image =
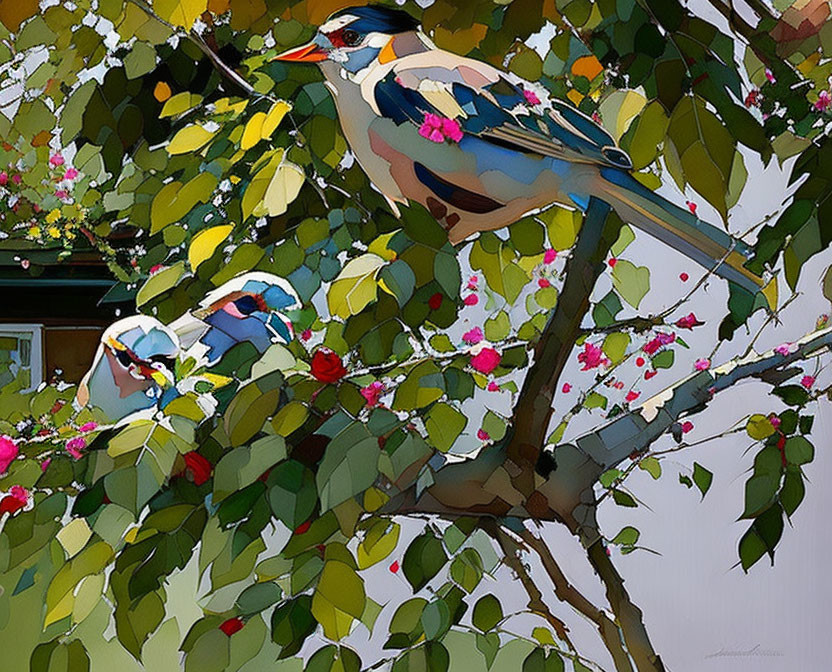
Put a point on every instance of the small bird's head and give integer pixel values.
(354, 38)
(133, 366)
(249, 308)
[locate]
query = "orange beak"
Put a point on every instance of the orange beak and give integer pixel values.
(308, 53)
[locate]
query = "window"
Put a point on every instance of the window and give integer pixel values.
(21, 355)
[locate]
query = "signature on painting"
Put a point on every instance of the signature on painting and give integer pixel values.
(745, 653)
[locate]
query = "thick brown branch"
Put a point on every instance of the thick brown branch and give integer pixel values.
(534, 408)
(627, 614)
(566, 592)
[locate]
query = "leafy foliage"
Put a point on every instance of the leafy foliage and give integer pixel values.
(124, 139)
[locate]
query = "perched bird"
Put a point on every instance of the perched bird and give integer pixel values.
(246, 308)
(481, 148)
(132, 368)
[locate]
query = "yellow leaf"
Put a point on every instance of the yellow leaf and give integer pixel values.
(253, 130)
(205, 243)
(74, 536)
(62, 609)
(355, 287)
(180, 12)
(379, 548)
(379, 246)
(275, 116)
(181, 102)
(759, 427)
(770, 292)
(283, 188)
(189, 139)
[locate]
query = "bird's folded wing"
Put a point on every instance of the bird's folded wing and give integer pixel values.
(486, 103)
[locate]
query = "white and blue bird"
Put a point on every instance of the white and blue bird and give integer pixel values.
(481, 148)
(134, 366)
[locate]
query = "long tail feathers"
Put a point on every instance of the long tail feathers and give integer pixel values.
(698, 240)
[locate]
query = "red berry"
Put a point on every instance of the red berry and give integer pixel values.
(303, 527)
(649, 374)
(394, 567)
(231, 626)
(435, 301)
(612, 262)
(639, 361)
(683, 277)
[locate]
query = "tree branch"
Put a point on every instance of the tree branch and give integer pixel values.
(533, 411)
(566, 592)
(627, 614)
(608, 445)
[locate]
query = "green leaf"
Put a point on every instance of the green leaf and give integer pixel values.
(444, 424)
(423, 559)
(497, 327)
(628, 536)
(623, 499)
(615, 346)
(760, 491)
(702, 478)
(630, 281)
(652, 466)
(338, 599)
(799, 450)
(488, 612)
(160, 282)
(258, 597)
(436, 619)
(663, 360)
(355, 287)
(349, 465)
(244, 465)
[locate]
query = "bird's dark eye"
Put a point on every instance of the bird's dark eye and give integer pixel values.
(123, 358)
(246, 305)
(351, 38)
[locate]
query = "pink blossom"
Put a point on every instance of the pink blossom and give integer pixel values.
(687, 426)
(486, 360)
(482, 435)
(473, 337)
(306, 334)
(651, 347)
(823, 102)
(689, 321)
(75, 445)
(17, 179)
(451, 129)
(531, 97)
(8, 452)
(471, 300)
(632, 396)
(592, 357)
(702, 364)
(649, 374)
(62, 194)
(784, 349)
(774, 420)
(549, 256)
(493, 387)
(45, 464)
(4, 178)
(807, 382)
(543, 283)
(753, 98)
(372, 393)
(770, 76)
(56, 160)
(596, 117)
(20, 493)
(88, 426)
(70, 174)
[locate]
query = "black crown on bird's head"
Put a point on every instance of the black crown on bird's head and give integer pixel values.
(378, 19)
